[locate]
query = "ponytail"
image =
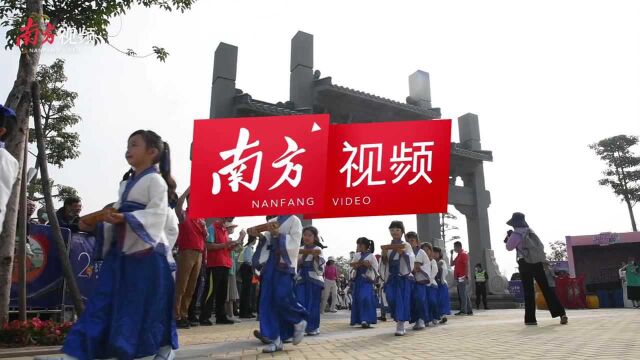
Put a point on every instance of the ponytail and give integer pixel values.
(165, 171)
(372, 246)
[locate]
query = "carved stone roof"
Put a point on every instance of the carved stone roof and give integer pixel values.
(244, 102)
(480, 155)
(325, 85)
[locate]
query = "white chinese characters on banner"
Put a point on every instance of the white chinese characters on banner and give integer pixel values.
(235, 170)
(370, 160)
(407, 160)
(404, 160)
(285, 161)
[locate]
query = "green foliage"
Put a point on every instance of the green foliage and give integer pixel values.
(83, 16)
(342, 263)
(623, 168)
(56, 106)
(558, 251)
(446, 226)
(60, 192)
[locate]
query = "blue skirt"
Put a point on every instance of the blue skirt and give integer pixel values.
(398, 292)
(130, 314)
(444, 302)
(432, 299)
(279, 308)
(420, 303)
(363, 308)
(309, 295)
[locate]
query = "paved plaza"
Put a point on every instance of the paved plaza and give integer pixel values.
(494, 334)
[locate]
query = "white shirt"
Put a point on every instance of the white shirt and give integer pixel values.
(8, 177)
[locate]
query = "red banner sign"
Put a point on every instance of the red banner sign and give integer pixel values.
(303, 165)
(259, 166)
(389, 168)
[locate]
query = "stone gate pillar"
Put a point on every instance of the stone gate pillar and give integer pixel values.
(477, 215)
(223, 87)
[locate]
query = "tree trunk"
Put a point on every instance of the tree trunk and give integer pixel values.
(21, 255)
(19, 100)
(53, 219)
(633, 219)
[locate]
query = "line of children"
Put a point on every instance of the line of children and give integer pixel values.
(363, 308)
(310, 281)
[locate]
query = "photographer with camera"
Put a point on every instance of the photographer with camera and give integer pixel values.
(531, 256)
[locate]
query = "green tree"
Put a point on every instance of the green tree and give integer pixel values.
(85, 17)
(558, 251)
(342, 263)
(623, 169)
(35, 192)
(446, 226)
(57, 104)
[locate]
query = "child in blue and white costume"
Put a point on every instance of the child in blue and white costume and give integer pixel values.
(432, 288)
(310, 282)
(444, 303)
(130, 314)
(363, 308)
(8, 163)
(398, 282)
(420, 310)
(281, 316)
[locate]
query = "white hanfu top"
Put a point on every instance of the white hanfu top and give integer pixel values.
(8, 175)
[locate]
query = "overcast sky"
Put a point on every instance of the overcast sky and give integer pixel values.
(546, 78)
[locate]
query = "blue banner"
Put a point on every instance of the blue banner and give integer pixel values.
(44, 272)
(85, 268)
(515, 288)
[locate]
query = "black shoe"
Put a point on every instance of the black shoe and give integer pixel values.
(194, 321)
(206, 323)
(459, 313)
(531, 323)
(470, 313)
(224, 322)
(259, 336)
(183, 324)
(382, 318)
(443, 320)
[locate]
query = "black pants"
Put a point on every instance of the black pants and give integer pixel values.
(247, 291)
(218, 277)
(529, 272)
(481, 292)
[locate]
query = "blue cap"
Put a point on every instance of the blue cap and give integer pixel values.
(7, 112)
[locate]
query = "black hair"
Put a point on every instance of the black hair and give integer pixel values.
(368, 243)
(437, 250)
(316, 238)
(71, 200)
(478, 264)
(426, 245)
(457, 243)
(8, 122)
(396, 224)
(153, 140)
(269, 217)
(411, 235)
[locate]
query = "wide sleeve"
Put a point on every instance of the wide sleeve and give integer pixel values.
(322, 260)
(8, 176)
(149, 223)
(434, 271)
(372, 260)
(291, 241)
(408, 252)
(445, 271)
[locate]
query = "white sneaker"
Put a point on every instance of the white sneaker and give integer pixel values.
(365, 325)
(400, 328)
(273, 347)
(419, 325)
(314, 332)
(434, 322)
(298, 332)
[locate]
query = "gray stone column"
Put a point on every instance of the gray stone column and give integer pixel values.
(223, 87)
(477, 215)
(301, 80)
